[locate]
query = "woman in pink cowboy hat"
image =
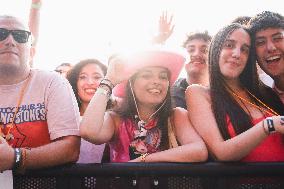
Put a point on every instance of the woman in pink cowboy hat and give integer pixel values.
(145, 127)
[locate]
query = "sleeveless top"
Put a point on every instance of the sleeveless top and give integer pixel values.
(270, 149)
(128, 143)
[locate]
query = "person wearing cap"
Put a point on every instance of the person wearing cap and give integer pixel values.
(233, 115)
(145, 128)
(267, 30)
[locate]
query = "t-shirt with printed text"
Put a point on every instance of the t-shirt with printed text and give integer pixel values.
(48, 110)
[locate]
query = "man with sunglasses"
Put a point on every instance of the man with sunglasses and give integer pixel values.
(268, 37)
(39, 117)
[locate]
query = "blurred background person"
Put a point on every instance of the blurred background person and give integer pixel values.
(197, 45)
(63, 68)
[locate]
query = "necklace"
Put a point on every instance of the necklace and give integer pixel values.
(5, 130)
(267, 109)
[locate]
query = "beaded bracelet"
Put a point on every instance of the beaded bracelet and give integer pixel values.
(143, 157)
(107, 82)
(22, 167)
(103, 91)
(103, 85)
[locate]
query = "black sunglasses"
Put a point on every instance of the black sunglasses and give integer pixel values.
(21, 36)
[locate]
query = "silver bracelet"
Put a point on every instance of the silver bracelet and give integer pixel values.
(103, 91)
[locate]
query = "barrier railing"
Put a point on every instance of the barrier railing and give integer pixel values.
(155, 175)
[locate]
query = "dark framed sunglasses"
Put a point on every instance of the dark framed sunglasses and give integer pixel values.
(21, 36)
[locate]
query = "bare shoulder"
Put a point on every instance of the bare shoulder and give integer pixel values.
(179, 111)
(197, 91)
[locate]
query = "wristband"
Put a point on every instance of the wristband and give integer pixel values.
(270, 125)
(36, 5)
(103, 91)
(22, 167)
(103, 85)
(18, 158)
(107, 82)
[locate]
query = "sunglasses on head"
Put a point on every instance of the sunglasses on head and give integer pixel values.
(21, 36)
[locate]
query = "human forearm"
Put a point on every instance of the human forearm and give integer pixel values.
(93, 119)
(240, 146)
(194, 152)
(34, 19)
(60, 151)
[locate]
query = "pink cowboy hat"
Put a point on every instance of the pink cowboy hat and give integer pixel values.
(173, 61)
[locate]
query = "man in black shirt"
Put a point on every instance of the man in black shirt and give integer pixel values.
(197, 45)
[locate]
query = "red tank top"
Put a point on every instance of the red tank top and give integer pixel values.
(270, 150)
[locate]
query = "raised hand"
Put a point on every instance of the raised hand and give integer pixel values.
(165, 28)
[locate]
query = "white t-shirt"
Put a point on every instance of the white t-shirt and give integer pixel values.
(90, 153)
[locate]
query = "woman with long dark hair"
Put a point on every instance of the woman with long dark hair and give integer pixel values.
(145, 128)
(85, 78)
(234, 115)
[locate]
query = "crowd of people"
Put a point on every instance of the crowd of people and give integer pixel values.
(137, 108)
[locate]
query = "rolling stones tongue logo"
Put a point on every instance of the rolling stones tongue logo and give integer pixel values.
(5, 131)
(16, 139)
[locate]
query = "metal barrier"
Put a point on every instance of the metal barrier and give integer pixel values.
(155, 175)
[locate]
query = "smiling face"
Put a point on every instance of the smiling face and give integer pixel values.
(198, 53)
(14, 56)
(151, 85)
(234, 54)
(269, 45)
(89, 79)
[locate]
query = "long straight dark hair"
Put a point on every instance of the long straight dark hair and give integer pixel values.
(127, 110)
(223, 103)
